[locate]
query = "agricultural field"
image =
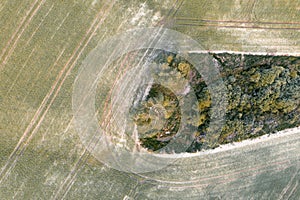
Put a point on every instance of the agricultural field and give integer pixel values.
(45, 46)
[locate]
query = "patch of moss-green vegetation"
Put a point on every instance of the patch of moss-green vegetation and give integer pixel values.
(160, 112)
(263, 98)
(263, 93)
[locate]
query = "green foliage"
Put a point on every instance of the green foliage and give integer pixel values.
(263, 97)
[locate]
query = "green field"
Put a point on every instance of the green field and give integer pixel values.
(42, 46)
